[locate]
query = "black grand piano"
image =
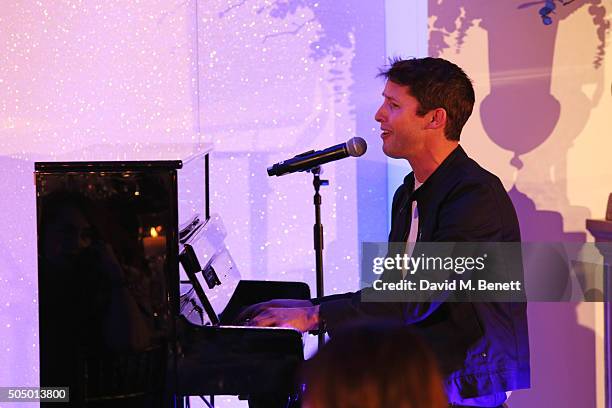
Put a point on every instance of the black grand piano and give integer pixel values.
(137, 292)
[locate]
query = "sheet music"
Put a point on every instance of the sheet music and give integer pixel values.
(208, 242)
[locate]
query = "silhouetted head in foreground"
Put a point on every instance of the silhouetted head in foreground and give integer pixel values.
(373, 365)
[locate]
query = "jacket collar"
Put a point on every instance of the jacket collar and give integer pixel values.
(439, 177)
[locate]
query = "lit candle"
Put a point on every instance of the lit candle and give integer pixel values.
(154, 244)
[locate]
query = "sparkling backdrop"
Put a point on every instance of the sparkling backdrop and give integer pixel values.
(268, 92)
(259, 80)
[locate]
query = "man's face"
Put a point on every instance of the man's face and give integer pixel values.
(403, 131)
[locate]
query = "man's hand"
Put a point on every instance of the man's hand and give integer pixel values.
(297, 314)
(253, 310)
(300, 318)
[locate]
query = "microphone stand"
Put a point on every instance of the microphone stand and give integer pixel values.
(318, 241)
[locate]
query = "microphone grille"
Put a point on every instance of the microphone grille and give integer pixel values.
(356, 146)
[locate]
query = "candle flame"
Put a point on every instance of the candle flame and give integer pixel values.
(153, 232)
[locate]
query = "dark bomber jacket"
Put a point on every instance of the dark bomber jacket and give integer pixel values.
(482, 348)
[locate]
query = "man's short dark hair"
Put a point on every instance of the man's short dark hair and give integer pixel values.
(436, 83)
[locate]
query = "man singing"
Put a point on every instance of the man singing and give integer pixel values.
(483, 347)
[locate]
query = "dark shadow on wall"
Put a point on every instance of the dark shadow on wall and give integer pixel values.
(521, 51)
(519, 115)
(563, 364)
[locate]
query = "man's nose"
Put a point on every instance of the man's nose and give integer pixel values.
(379, 116)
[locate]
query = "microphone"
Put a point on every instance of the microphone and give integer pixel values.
(354, 147)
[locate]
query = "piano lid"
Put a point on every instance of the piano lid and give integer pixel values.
(125, 156)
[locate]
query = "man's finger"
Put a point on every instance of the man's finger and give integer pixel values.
(263, 319)
(243, 316)
(249, 312)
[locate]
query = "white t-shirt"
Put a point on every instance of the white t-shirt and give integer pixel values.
(414, 225)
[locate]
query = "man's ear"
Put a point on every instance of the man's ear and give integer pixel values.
(437, 119)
